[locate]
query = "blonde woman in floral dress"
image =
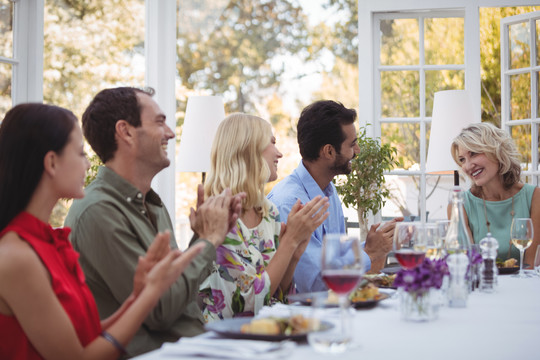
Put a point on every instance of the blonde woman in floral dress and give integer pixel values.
(255, 265)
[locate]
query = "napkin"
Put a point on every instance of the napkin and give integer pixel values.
(282, 310)
(219, 348)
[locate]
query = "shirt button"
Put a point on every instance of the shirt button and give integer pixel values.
(139, 195)
(143, 212)
(128, 199)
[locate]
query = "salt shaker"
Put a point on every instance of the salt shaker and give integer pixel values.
(457, 290)
(488, 268)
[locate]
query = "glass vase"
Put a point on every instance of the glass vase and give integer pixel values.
(418, 306)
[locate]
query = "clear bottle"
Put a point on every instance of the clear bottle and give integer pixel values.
(457, 237)
(458, 240)
(488, 269)
(458, 291)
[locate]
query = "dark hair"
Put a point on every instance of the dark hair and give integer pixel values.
(100, 117)
(27, 134)
(320, 124)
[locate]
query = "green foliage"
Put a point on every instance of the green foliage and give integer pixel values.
(364, 188)
(239, 57)
(91, 174)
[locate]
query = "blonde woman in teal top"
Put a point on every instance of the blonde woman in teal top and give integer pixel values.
(489, 157)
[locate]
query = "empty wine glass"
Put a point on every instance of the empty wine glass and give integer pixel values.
(409, 248)
(342, 270)
(442, 226)
(521, 234)
(433, 242)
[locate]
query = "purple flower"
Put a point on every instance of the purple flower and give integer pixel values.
(226, 258)
(476, 257)
(218, 300)
(258, 283)
(425, 276)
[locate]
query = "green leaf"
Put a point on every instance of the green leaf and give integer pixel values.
(364, 188)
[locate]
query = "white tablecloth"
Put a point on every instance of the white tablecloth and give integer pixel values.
(503, 325)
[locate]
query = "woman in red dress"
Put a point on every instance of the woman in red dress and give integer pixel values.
(46, 309)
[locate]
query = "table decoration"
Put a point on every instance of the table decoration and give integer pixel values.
(416, 287)
(473, 273)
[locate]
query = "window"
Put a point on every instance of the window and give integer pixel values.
(520, 69)
(403, 65)
(6, 53)
(412, 65)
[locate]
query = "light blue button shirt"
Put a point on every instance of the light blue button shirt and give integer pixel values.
(301, 185)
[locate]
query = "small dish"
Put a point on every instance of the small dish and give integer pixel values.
(231, 328)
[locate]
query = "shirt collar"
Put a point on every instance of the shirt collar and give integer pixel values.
(126, 189)
(311, 185)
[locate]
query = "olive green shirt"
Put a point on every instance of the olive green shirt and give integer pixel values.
(111, 228)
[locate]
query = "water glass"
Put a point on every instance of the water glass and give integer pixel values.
(329, 341)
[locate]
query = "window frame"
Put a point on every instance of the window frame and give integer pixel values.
(27, 61)
(533, 69)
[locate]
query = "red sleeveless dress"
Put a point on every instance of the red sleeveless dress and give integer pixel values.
(68, 283)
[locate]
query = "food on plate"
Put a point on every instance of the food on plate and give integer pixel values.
(381, 280)
(366, 293)
(507, 264)
(296, 324)
(265, 326)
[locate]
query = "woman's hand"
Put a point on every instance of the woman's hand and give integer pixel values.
(159, 248)
(165, 272)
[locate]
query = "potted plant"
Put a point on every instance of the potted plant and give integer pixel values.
(364, 188)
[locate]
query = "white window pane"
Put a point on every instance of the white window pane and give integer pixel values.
(399, 42)
(406, 138)
(520, 96)
(520, 49)
(6, 28)
(400, 94)
(452, 31)
(522, 137)
(5, 89)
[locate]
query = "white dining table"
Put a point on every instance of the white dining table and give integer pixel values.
(500, 325)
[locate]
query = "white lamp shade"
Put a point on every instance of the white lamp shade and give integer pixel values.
(203, 115)
(452, 111)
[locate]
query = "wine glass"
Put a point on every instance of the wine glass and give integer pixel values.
(521, 234)
(442, 231)
(409, 248)
(342, 270)
(433, 242)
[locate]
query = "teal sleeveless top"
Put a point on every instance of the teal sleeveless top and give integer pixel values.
(500, 219)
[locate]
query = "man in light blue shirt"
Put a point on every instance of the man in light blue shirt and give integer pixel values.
(328, 142)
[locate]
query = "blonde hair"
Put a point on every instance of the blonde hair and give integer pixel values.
(237, 162)
(496, 144)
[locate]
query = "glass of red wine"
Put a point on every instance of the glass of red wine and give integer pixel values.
(342, 270)
(409, 244)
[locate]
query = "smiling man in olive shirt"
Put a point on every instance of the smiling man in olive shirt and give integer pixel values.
(117, 220)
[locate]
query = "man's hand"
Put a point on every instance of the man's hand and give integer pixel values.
(379, 243)
(302, 221)
(235, 209)
(213, 217)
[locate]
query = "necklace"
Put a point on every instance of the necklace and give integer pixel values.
(512, 213)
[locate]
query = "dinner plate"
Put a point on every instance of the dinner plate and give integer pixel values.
(307, 298)
(230, 328)
(508, 270)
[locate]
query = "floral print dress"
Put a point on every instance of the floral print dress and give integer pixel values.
(238, 284)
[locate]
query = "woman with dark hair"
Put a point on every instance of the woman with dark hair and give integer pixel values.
(46, 309)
